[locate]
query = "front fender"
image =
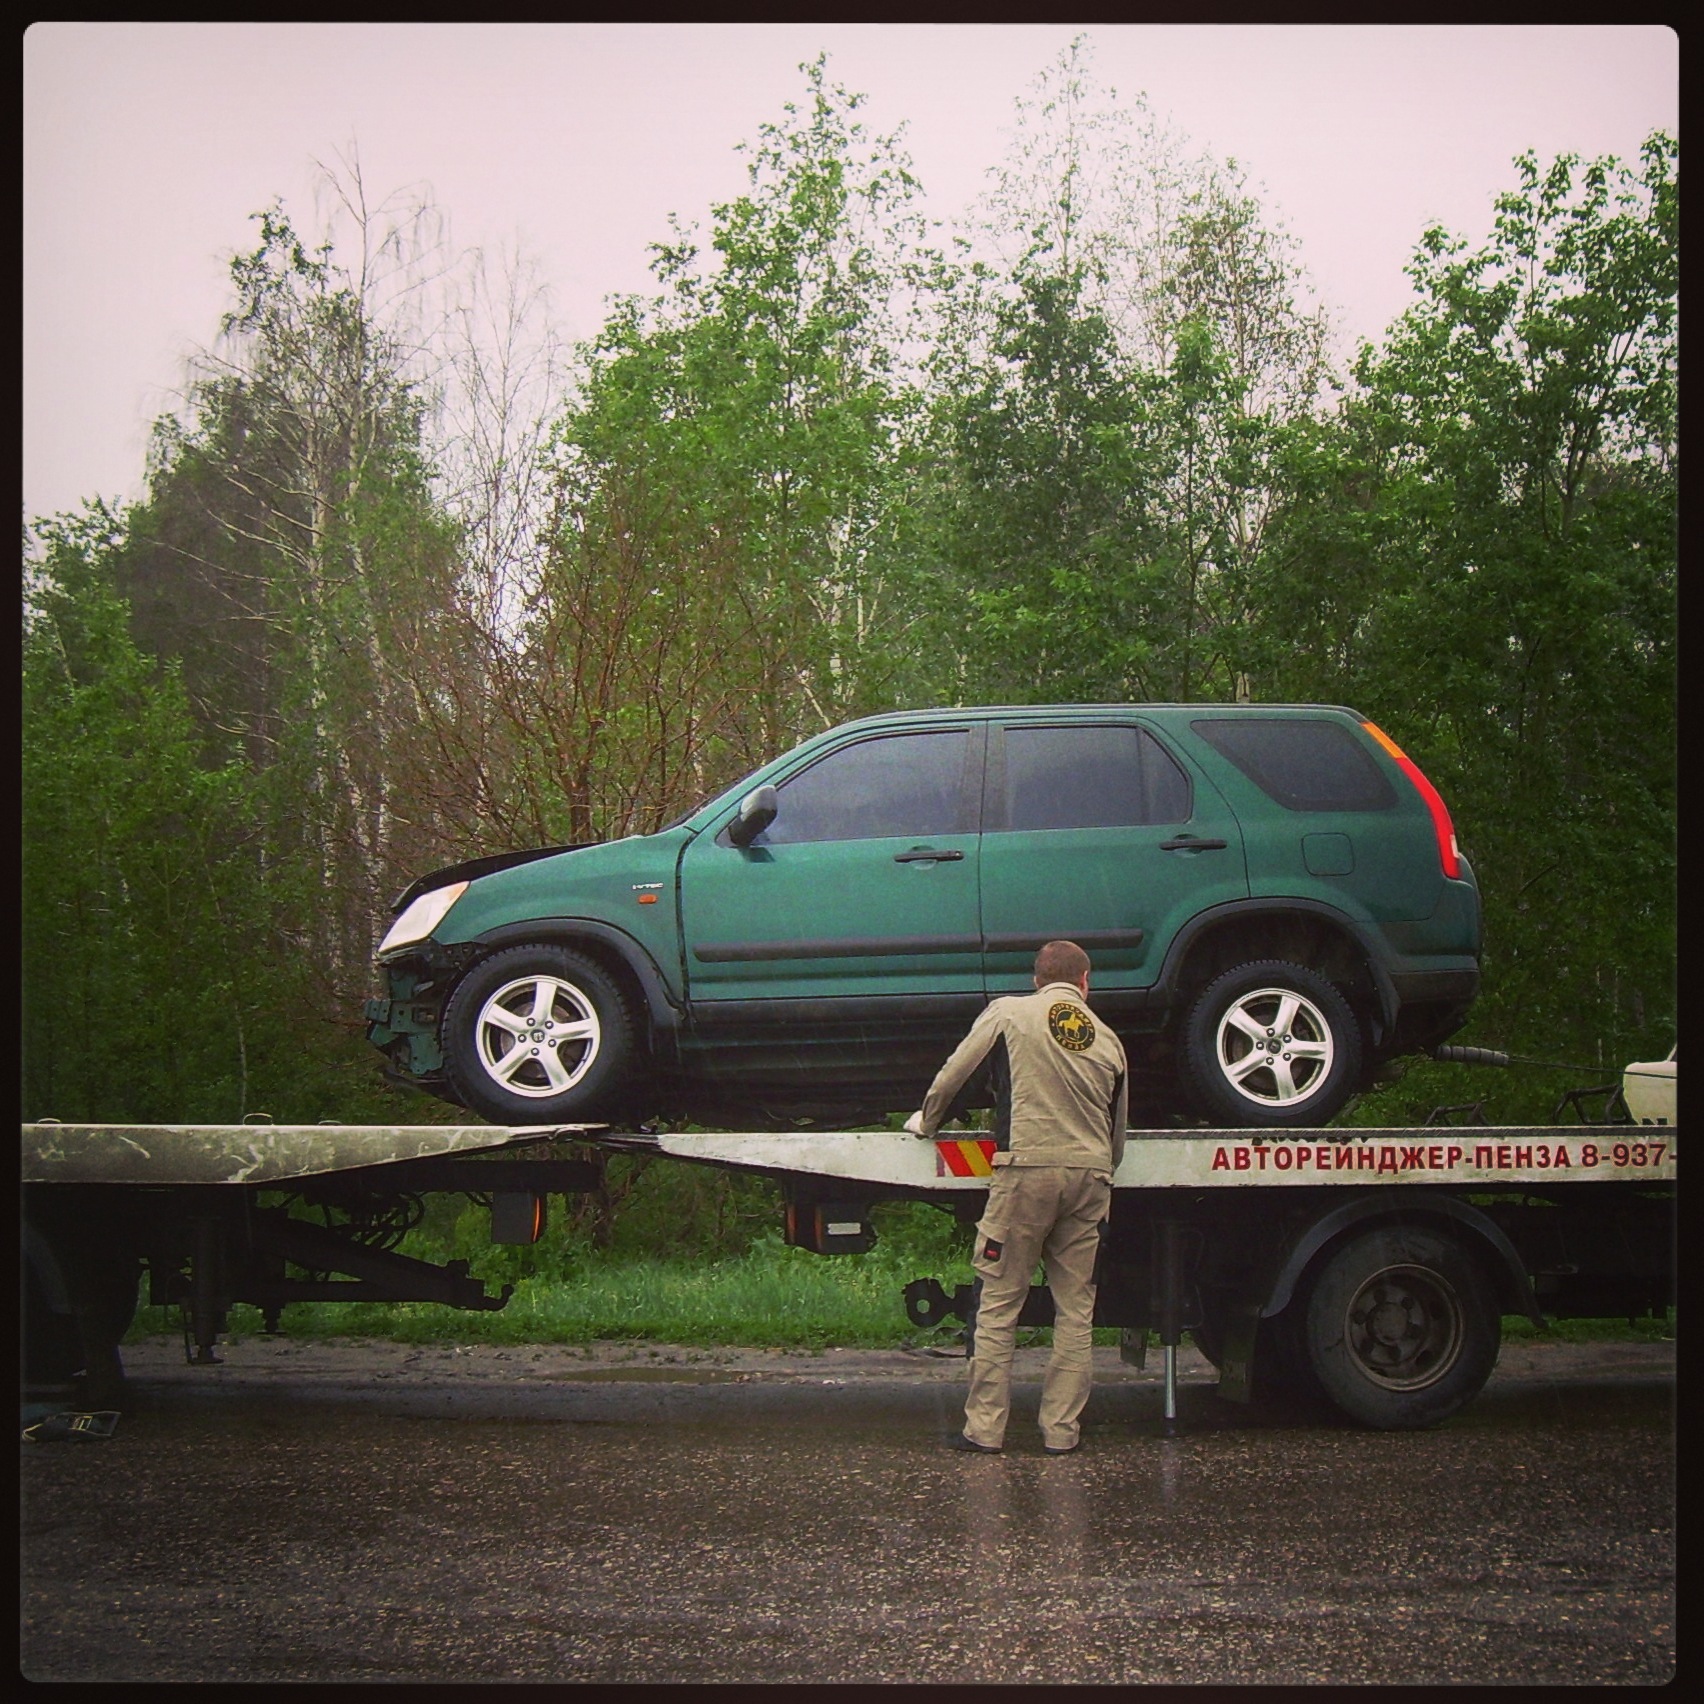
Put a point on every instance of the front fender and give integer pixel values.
(665, 1014)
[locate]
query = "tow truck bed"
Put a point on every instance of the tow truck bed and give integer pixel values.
(1418, 1239)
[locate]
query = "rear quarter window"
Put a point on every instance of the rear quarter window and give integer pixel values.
(1301, 764)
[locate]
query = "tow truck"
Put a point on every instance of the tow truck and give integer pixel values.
(1368, 1268)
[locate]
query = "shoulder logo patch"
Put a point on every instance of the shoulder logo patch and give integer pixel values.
(1069, 1026)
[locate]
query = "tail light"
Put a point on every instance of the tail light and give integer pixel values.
(1449, 854)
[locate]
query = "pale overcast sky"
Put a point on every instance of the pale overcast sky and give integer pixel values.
(147, 146)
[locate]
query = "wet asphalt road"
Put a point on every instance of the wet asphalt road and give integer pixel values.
(384, 1514)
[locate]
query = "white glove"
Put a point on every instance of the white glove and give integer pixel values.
(915, 1125)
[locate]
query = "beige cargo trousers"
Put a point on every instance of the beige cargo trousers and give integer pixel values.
(1051, 1216)
(1060, 1098)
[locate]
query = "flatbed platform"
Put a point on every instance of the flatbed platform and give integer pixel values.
(1485, 1155)
(271, 1155)
(254, 1154)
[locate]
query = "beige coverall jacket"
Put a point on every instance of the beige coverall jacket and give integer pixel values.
(1061, 1098)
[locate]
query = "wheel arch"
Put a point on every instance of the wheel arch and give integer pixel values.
(633, 969)
(1409, 1208)
(1306, 932)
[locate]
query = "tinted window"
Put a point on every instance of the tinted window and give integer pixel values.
(1090, 778)
(1303, 765)
(908, 784)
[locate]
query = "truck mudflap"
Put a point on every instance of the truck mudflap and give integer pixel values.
(1517, 1291)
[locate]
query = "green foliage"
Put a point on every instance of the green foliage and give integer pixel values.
(771, 1297)
(719, 1283)
(293, 560)
(1108, 402)
(825, 470)
(698, 1213)
(153, 990)
(1047, 529)
(714, 587)
(1479, 552)
(701, 1215)
(136, 910)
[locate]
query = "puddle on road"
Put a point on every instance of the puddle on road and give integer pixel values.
(653, 1375)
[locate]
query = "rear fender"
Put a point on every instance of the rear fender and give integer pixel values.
(1274, 1288)
(1410, 1207)
(1179, 973)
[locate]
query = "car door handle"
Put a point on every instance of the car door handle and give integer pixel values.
(927, 854)
(1189, 843)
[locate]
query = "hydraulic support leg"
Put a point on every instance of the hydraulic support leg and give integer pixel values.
(1168, 1292)
(206, 1313)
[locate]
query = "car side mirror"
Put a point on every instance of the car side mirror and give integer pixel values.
(757, 812)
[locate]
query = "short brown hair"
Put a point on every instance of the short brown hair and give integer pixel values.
(1060, 961)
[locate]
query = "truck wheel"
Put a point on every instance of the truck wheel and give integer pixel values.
(52, 1343)
(80, 1296)
(540, 1035)
(1402, 1328)
(1271, 1044)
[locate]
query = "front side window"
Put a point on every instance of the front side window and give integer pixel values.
(1091, 777)
(905, 784)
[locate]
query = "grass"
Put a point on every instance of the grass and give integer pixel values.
(1518, 1328)
(769, 1297)
(731, 1304)
(728, 1279)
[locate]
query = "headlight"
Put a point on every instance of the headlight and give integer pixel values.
(419, 919)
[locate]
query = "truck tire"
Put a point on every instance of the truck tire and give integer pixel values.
(1402, 1328)
(80, 1292)
(540, 1035)
(52, 1343)
(1271, 1044)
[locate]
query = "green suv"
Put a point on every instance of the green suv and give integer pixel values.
(1272, 897)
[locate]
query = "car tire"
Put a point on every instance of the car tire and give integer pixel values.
(1402, 1328)
(540, 1035)
(1269, 1045)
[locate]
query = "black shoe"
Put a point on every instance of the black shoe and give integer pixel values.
(1060, 1449)
(958, 1441)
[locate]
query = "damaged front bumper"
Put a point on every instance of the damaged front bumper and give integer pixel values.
(403, 1021)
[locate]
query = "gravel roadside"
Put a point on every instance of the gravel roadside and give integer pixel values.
(342, 1361)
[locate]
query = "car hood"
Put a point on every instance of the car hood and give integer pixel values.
(473, 868)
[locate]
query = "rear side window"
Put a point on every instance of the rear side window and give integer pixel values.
(1303, 765)
(1088, 777)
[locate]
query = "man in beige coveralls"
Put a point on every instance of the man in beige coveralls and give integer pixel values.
(1060, 1103)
